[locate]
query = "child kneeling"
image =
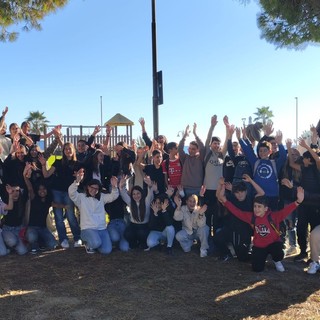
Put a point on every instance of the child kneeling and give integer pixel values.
(265, 224)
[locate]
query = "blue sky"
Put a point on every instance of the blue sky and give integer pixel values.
(210, 52)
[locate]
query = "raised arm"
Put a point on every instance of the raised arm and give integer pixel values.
(292, 164)
(26, 176)
(257, 188)
(3, 117)
(145, 136)
(213, 124)
(314, 155)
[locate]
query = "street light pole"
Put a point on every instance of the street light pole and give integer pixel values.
(154, 72)
(296, 120)
(101, 112)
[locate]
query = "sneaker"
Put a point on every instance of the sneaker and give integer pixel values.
(279, 266)
(90, 250)
(65, 244)
(300, 257)
(313, 267)
(147, 249)
(169, 251)
(226, 257)
(203, 253)
(291, 250)
(34, 251)
(78, 243)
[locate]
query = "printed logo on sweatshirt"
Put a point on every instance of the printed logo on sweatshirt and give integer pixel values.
(264, 171)
(262, 230)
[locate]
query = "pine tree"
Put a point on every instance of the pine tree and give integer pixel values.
(27, 13)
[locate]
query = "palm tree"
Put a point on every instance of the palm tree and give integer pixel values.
(38, 121)
(263, 114)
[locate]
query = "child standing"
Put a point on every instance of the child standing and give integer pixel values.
(265, 223)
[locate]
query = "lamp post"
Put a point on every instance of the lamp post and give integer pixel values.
(101, 112)
(154, 71)
(296, 119)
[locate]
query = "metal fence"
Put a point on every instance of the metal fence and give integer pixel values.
(73, 134)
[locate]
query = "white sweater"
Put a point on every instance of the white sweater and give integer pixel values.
(92, 212)
(190, 221)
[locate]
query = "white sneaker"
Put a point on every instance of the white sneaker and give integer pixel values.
(313, 267)
(203, 253)
(78, 243)
(65, 244)
(291, 250)
(279, 266)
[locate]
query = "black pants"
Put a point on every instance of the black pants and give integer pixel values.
(306, 215)
(240, 241)
(213, 218)
(259, 255)
(136, 234)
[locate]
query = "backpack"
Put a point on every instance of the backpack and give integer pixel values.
(272, 224)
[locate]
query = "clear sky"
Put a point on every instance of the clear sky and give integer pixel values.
(210, 52)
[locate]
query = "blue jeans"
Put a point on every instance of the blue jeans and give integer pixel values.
(155, 237)
(40, 236)
(97, 239)
(186, 240)
(12, 240)
(62, 197)
(116, 229)
(3, 248)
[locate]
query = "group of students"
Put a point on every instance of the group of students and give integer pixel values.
(236, 199)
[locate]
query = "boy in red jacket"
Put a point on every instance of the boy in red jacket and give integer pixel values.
(265, 224)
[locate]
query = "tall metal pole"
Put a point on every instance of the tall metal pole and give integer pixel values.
(101, 112)
(296, 120)
(154, 71)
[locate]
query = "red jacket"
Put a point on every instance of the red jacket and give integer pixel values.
(264, 234)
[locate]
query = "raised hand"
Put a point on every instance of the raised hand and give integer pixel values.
(226, 121)
(154, 208)
(203, 209)
(27, 170)
(214, 120)
(164, 204)
(246, 178)
(286, 182)
(289, 143)
(194, 130)
(154, 186)
(79, 175)
(148, 181)
(278, 137)
(268, 128)
(123, 181)
(114, 182)
(300, 194)
(4, 112)
(238, 133)
(177, 201)
(202, 190)
(96, 130)
(170, 191)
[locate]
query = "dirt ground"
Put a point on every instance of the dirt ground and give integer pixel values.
(71, 284)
